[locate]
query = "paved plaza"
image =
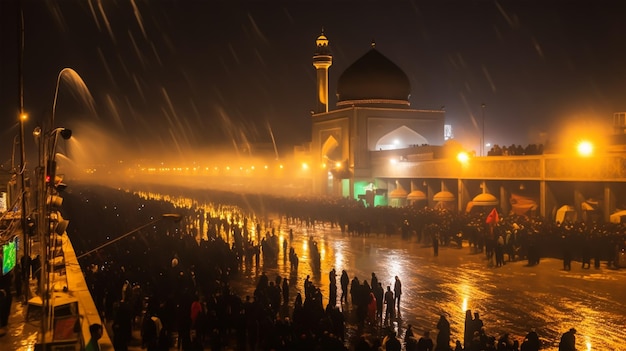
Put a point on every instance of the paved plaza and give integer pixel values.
(510, 299)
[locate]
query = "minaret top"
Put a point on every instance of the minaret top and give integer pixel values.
(321, 43)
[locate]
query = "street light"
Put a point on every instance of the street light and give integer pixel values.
(482, 139)
(47, 138)
(47, 225)
(172, 216)
(585, 148)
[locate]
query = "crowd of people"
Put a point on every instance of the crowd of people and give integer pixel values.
(184, 297)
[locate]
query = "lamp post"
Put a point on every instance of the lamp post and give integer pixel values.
(22, 118)
(173, 216)
(47, 171)
(47, 139)
(482, 139)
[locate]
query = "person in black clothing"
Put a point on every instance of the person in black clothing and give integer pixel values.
(443, 337)
(122, 325)
(95, 331)
(568, 341)
(531, 342)
(5, 301)
(397, 291)
(390, 310)
(149, 333)
(425, 343)
(345, 280)
(567, 252)
(392, 343)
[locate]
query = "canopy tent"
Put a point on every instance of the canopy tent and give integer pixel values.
(618, 217)
(566, 213)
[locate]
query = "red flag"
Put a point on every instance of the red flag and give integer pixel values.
(493, 217)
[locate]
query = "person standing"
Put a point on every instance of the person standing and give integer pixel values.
(391, 342)
(567, 252)
(6, 299)
(389, 300)
(122, 325)
(531, 342)
(379, 293)
(443, 337)
(95, 330)
(345, 280)
(397, 290)
(374, 280)
(425, 343)
(568, 341)
(285, 291)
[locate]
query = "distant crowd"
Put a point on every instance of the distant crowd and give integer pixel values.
(181, 295)
(513, 150)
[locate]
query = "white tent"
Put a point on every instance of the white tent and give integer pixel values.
(566, 213)
(618, 217)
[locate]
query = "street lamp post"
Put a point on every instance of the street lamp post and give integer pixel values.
(482, 139)
(47, 167)
(47, 150)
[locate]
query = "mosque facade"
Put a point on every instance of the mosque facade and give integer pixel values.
(374, 146)
(372, 113)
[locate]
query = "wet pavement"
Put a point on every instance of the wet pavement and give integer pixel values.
(510, 299)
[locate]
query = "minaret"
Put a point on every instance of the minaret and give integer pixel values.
(322, 60)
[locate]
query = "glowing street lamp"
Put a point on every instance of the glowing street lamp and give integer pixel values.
(462, 157)
(585, 148)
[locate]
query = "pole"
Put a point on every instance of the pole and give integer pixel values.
(482, 139)
(25, 241)
(43, 227)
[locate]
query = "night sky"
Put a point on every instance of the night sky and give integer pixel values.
(191, 75)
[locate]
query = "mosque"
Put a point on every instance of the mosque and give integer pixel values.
(375, 147)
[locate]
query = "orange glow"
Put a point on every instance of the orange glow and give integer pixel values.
(462, 157)
(585, 148)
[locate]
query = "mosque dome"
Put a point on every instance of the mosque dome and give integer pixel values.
(398, 193)
(416, 195)
(373, 79)
(444, 196)
(485, 199)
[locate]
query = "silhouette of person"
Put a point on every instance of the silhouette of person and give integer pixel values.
(397, 290)
(443, 337)
(531, 342)
(345, 280)
(95, 330)
(389, 300)
(568, 341)
(425, 343)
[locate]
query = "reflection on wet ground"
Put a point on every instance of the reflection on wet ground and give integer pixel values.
(510, 299)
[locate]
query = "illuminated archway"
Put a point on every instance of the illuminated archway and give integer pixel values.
(400, 138)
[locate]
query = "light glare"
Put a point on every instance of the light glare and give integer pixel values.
(585, 148)
(462, 157)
